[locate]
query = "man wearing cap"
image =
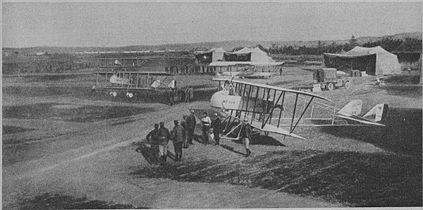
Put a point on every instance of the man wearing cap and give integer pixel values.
(206, 122)
(152, 135)
(178, 136)
(216, 128)
(152, 138)
(190, 126)
(246, 136)
(164, 136)
(184, 126)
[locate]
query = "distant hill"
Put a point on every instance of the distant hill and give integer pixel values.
(227, 45)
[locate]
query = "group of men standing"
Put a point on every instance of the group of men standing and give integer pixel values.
(182, 134)
(210, 129)
(215, 127)
(180, 95)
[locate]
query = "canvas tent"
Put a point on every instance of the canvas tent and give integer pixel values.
(217, 54)
(374, 60)
(256, 57)
(217, 59)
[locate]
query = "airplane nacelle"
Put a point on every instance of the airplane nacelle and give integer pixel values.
(223, 100)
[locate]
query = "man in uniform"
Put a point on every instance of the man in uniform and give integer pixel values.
(206, 122)
(187, 95)
(246, 136)
(184, 126)
(216, 128)
(178, 136)
(152, 135)
(164, 136)
(190, 126)
(152, 138)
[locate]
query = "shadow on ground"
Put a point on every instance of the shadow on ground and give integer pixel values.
(56, 201)
(86, 113)
(14, 129)
(351, 178)
(405, 91)
(402, 134)
(149, 152)
(263, 140)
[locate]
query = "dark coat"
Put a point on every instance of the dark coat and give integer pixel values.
(164, 135)
(216, 124)
(190, 122)
(152, 136)
(246, 131)
(178, 134)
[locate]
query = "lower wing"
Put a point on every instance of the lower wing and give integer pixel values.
(274, 129)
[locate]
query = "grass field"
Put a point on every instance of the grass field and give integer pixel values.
(58, 123)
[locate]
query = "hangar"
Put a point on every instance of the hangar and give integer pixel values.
(373, 60)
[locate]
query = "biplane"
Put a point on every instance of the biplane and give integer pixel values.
(245, 74)
(119, 79)
(279, 110)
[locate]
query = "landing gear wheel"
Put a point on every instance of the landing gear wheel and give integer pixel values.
(330, 86)
(347, 85)
(129, 95)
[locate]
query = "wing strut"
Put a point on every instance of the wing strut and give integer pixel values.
(293, 114)
(280, 113)
(248, 99)
(273, 108)
(255, 102)
(305, 109)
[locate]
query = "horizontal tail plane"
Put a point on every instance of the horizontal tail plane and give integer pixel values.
(352, 110)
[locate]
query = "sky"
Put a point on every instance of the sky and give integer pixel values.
(107, 24)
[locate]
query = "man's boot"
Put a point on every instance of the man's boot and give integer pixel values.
(163, 159)
(248, 153)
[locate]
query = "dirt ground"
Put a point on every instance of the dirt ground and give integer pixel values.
(67, 147)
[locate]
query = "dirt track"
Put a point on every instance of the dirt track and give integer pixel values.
(95, 165)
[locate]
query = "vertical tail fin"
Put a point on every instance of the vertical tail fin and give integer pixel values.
(377, 113)
(155, 84)
(172, 84)
(353, 108)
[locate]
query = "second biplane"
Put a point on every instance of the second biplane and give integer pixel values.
(121, 80)
(280, 110)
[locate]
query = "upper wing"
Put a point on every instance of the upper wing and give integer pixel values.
(272, 88)
(151, 73)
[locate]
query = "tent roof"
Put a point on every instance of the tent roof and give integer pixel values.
(346, 55)
(248, 63)
(217, 50)
(257, 55)
(359, 52)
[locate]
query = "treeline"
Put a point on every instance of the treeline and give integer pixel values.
(52, 63)
(408, 44)
(57, 63)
